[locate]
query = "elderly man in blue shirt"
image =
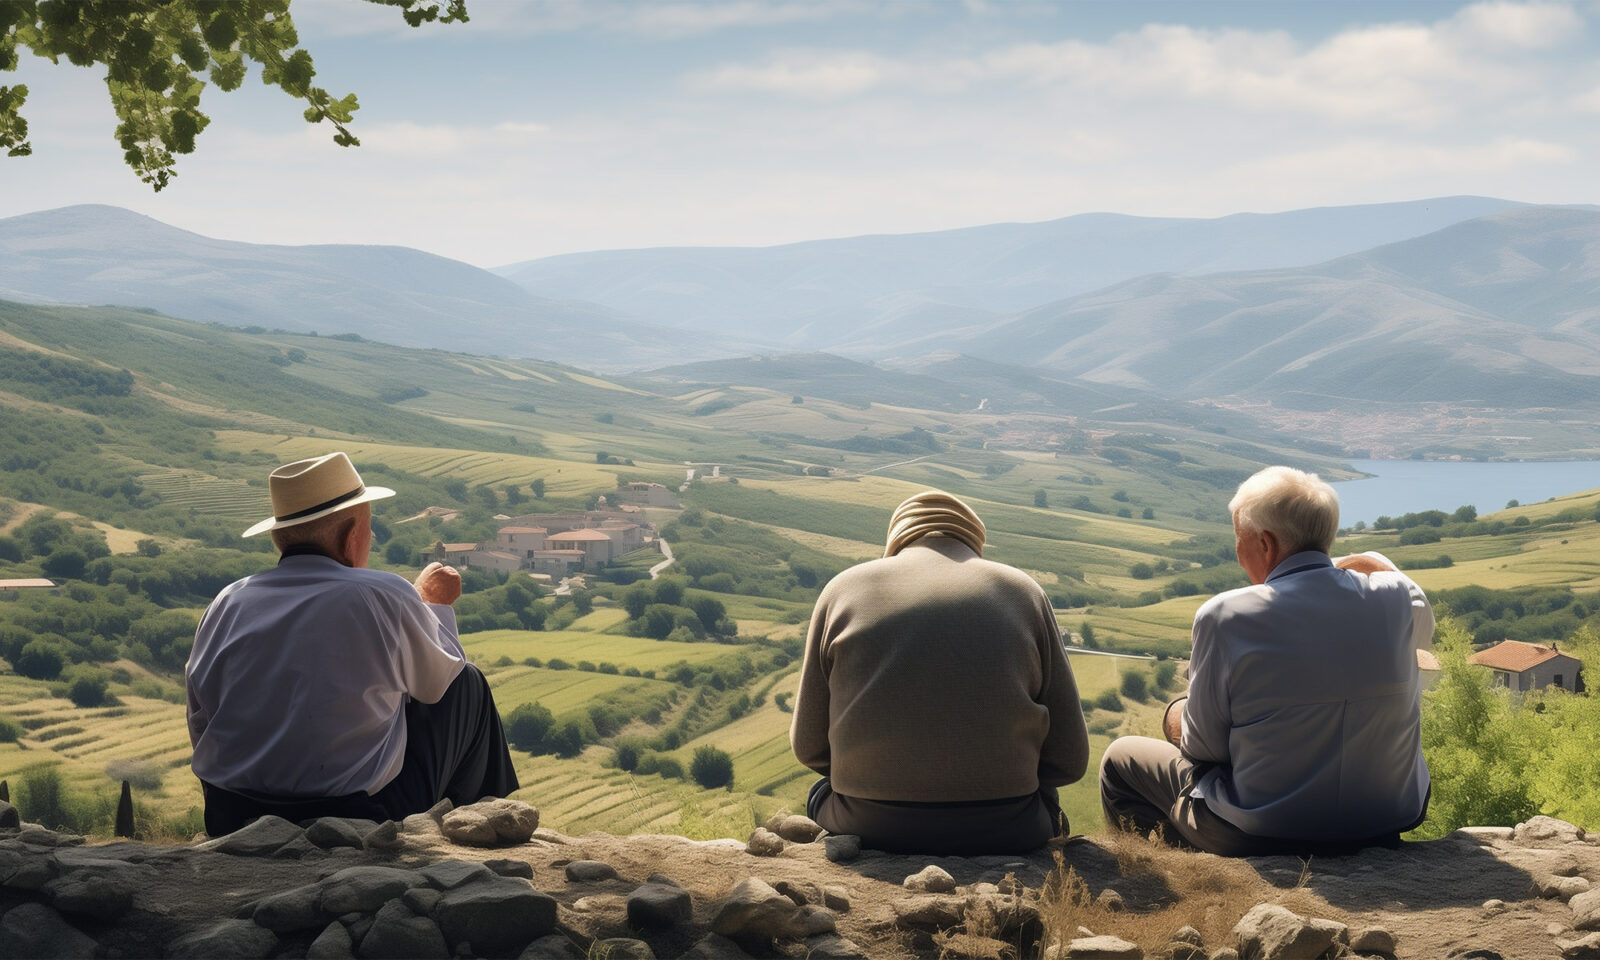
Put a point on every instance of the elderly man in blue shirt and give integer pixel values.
(1301, 731)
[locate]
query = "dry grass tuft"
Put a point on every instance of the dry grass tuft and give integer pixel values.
(1208, 892)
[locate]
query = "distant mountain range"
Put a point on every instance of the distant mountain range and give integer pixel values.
(1459, 299)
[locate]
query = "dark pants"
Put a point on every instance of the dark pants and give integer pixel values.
(972, 828)
(455, 750)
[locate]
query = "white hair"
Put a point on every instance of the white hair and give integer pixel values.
(1299, 508)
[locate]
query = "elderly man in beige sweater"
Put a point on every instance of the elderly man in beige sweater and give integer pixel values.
(935, 698)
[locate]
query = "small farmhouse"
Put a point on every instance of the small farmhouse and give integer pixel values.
(1531, 666)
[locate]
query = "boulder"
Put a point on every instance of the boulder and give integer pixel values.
(841, 848)
(101, 896)
(398, 933)
(256, 839)
(449, 874)
(552, 947)
(333, 943)
(801, 892)
(366, 888)
(798, 829)
(1586, 947)
(225, 940)
(1271, 932)
(292, 910)
(764, 843)
(831, 946)
(330, 832)
(715, 947)
(754, 913)
(1585, 910)
(590, 871)
(385, 836)
(930, 879)
(1542, 831)
(836, 898)
(1101, 948)
(600, 916)
(496, 916)
(1109, 900)
(814, 921)
(491, 823)
(659, 906)
(932, 910)
(35, 930)
(1561, 888)
(421, 900)
(1373, 940)
(511, 868)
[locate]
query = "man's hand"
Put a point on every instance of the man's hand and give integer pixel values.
(1361, 563)
(438, 583)
(1172, 722)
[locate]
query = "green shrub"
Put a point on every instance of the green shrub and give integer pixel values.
(1135, 687)
(10, 730)
(711, 768)
(87, 688)
(40, 660)
(528, 726)
(661, 765)
(626, 756)
(1108, 700)
(1166, 676)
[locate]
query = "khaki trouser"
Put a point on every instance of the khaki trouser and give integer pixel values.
(1144, 786)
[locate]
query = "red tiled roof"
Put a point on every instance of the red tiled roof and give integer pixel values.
(30, 582)
(523, 530)
(1514, 656)
(459, 547)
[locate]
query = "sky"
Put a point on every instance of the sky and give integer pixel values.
(542, 128)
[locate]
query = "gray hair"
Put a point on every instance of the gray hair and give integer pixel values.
(1298, 507)
(325, 533)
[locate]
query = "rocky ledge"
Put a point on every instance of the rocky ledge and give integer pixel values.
(484, 880)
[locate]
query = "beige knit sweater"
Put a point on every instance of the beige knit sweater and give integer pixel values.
(936, 675)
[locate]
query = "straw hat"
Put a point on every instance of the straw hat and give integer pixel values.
(309, 489)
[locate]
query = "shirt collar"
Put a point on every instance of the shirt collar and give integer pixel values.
(1298, 562)
(303, 552)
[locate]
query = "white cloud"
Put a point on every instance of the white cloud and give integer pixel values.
(803, 74)
(1529, 26)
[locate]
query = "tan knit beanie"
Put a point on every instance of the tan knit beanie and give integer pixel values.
(933, 511)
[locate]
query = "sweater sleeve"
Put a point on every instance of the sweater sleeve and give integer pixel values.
(1207, 719)
(1064, 756)
(808, 733)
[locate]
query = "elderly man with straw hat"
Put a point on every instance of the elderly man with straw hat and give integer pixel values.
(935, 698)
(322, 688)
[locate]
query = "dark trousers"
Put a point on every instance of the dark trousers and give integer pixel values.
(971, 828)
(455, 750)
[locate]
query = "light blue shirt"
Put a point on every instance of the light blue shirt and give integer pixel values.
(1304, 693)
(299, 676)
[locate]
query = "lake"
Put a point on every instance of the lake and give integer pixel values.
(1409, 486)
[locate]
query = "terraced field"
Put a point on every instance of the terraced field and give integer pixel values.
(574, 645)
(559, 691)
(204, 493)
(580, 795)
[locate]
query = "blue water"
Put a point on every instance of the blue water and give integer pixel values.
(1408, 486)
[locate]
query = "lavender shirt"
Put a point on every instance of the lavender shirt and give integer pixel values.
(299, 677)
(1304, 693)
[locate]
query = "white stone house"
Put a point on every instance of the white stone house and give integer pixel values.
(1531, 666)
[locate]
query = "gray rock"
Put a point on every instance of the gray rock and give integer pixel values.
(764, 843)
(715, 947)
(801, 892)
(621, 948)
(552, 947)
(1109, 900)
(836, 898)
(449, 874)
(600, 916)
(1188, 934)
(400, 934)
(385, 836)
(421, 900)
(815, 921)
(330, 832)
(932, 910)
(511, 868)
(496, 916)
(1340, 932)
(1102, 948)
(1586, 947)
(421, 825)
(1270, 932)
(438, 810)
(28, 869)
(37, 836)
(590, 871)
(754, 913)
(366, 888)
(35, 930)
(798, 829)
(333, 943)
(1482, 835)
(225, 940)
(1492, 907)
(257, 839)
(297, 848)
(831, 946)
(659, 906)
(662, 878)
(292, 910)
(841, 848)
(93, 895)
(10, 819)
(1586, 910)
(1373, 940)
(491, 823)
(1561, 888)
(930, 879)
(1542, 831)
